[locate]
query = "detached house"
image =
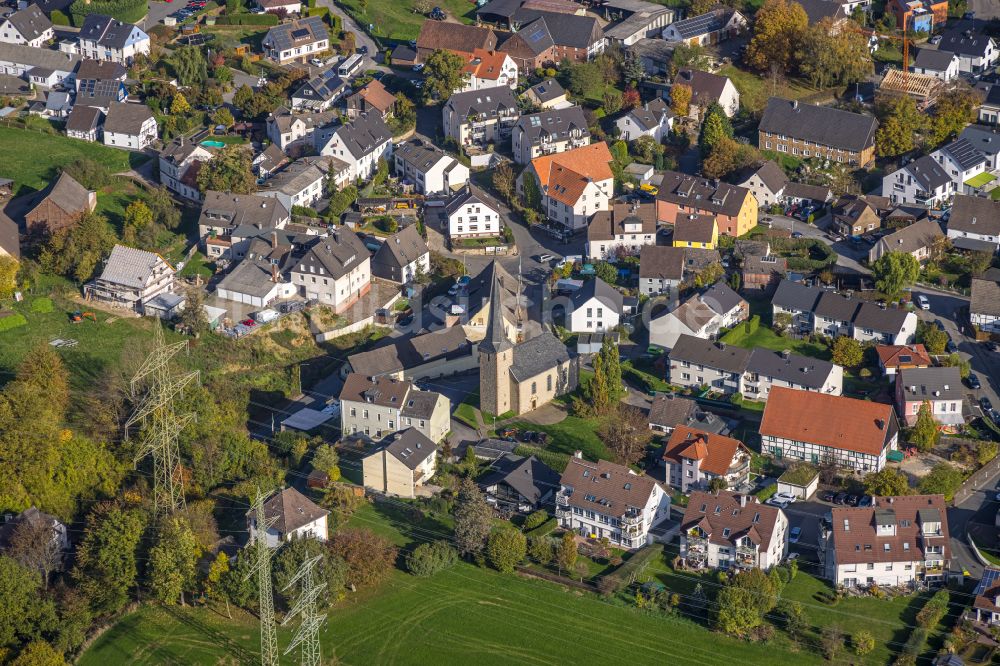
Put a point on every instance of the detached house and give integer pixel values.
(918, 240)
(489, 69)
(548, 132)
(519, 484)
(296, 41)
(302, 182)
(428, 168)
(933, 62)
(334, 269)
(734, 208)
(975, 223)
(401, 257)
(940, 387)
(766, 183)
(547, 95)
(286, 129)
(131, 278)
(896, 541)
(806, 130)
(84, 123)
(923, 181)
(987, 593)
(653, 119)
(228, 222)
(893, 358)
(472, 213)
(180, 161)
(732, 531)
(605, 500)
(104, 38)
(574, 184)
(716, 25)
(627, 228)
(380, 406)
(360, 144)
(695, 231)
(480, 117)
(850, 433)
(401, 465)
(975, 50)
(28, 26)
(708, 89)
(669, 412)
(320, 92)
(596, 307)
(130, 126)
(693, 458)
(372, 98)
(661, 269)
(702, 316)
(292, 516)
(984, 306)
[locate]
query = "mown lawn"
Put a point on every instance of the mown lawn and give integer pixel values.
(754, 90)
(397, 21)
(32, 159)
(768, 339)
(571, 434)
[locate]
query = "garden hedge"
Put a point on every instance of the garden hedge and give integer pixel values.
(127, 11)
(247, 19)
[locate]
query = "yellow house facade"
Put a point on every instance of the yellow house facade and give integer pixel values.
(697, 231)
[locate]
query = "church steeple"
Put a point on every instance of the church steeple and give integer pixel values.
(496, 353)
(496, 340)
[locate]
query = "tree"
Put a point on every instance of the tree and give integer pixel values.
(8, 276)
(796, 622)
(743, 602)
(831, 641)
(541, 550)
(165, 211)
(224, 117)
(900, 124)
(646, 148)
(38, 653)
(506, 549)
(718, 484)
(626, 435)
(612, 367)
(862, 642)
(887, 482)
(404, 115)
(179, 104)
(954, 109)
(530, 192)
(631, 98)
(76, 251)
(193, 315)
(779, 29)
(954, 360)
(190, 66)
(932, 338)
(473, 519)
(612, 102)
(331, 569)
(106, 565)
(709, 275)
(694, 56)
(504, 182)
(606, 271)
(925, 434)
(173, 560)
(229, 171)
(714, 129)
(24, 611)
(583, 79)
(369, 557)
(847, 352)
(33, 544)
(722, 160)
(429, 558)
(243, 99)
(422, 6)
(443, 74)
(632, 68)
(834, 57)
(223, 74)
(326, 459)
(566, 552)
(138, 225)
(943, 479)
(680, 98)
(894, 271)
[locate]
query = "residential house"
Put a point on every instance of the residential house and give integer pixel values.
(428, 168)
(320, 92)
(574, 184)
(987, 593)
(986, 140)
(130, 126)
(547, 132)
(850, 433)
(898, 541)
(708, 89)
(717, 25)
(286, 129)
(734, 208)
(703, 316)
(696, 230)
(807, 130)
(989, 110)
(43, 68)
(919, 240)
(635, 20)
(547, 94)
(653, 119)
(28, 26)
(488, 69)
(762, 273)
(360, 143)
(963, 163)
(56, 542)
(671, 411)
(10, 239)
(753, 373)
(372, 98)
(604, 500)
(923, 181)
(401, 465)
(131, 278)
(402, 257)
(729, 530)
(56, 105)
(628, 228)
(85, 123)
(576, 38)
(296, 41)
(480, 117)
(438, 35)
(974, 223)
(837, 13)
(269, 161)
(180, 161)
(595, 307)
(766, 183)
(380, 406)
(302, 182)
(940, 387)
(655, 56)
(854, 216)
(517, 376)
(984, 306)
(105, 38)
(99, 83)
(933, 62)
(802, 193)
(428, 355)
(228, 221)
(58, 206)
(661, 270)
(519, 484)
(919, 15)
(694, 458)
(290, 7)
(976, 51)
(530, 47)
(334, 269)
(290, 515)
(262, 276)
(893, 358)
(472, 213)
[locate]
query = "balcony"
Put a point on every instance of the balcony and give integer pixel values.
(562, 499)
(632, 518)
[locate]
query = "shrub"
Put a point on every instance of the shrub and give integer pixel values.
(934, 609)
(506, 549)
(541, 549)
(537, 519)
(128, 11)
(58, 18)
(369, 557)
(247, 19)
(11, 322)
(610, 585)
(429, 558)
(304, 211)
(862, 642)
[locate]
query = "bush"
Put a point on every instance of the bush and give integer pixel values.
(555, 460)
(610, 585)
(11, 322)
(246, 19)
(541, 549)
(127, 11)
(934, 609)
(506, 549)
(387, 224)
(42, 305)
(862, 642)
(638, 560)
(304, 211)
(58, 18)
(537, 519)
(767, 492)
(429, 558)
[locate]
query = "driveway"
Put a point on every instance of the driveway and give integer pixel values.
(985, 9)
(361, 37)
(157, 12)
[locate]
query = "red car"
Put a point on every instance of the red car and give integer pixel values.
(248, 322)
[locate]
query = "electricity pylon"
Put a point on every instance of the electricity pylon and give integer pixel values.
(262, 568)
(160, 424)
(305, 605)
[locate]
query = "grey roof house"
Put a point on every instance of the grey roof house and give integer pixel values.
(131, 277)
(518, 483)
(401, 256)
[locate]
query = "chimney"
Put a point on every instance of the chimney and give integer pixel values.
(274, 240)
(274, 273)
(743, 501)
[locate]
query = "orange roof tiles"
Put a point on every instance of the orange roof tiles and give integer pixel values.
(828, 420)
(563, 176)
(485, 64)
(903, 356)
(375, 94)
(716, 452)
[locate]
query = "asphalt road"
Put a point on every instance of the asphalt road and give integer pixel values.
(157, 12)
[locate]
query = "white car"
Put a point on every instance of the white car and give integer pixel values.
(316, 62)
(545, 258)
(923, 302)
(774, 501)
(419, 67)
(787, 498)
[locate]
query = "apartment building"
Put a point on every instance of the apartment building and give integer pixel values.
(693, 458)
(574, 184)
(377, 407)
(806, 130)
(729, 530)
(625, 229)
(734, 208)
(335, 269)
(941, 388)
(228, 221)
(400, 465)
(553, 131)
(480, 117)
(428, 168)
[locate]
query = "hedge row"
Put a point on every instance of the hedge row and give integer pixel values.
(127, 11)
(934, 609)
(557, 461)
(247, 19)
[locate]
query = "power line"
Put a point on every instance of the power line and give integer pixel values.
(262, 568)
(305, 607)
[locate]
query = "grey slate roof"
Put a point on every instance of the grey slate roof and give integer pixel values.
(711, 21)
(702, 194)
(106, 31)
(395, 356)
(321, 88)
(794, 296)
(958, 40)
(928, 173)
(705, 86)
(250, 276)
(566, 29)
(411, 447)
(547, 90)
(420, 404)
(30, 22)
(47, 58)
(963, 152)
(489, 102)
(552, 125)
(302, 173)
(100, 69)
(671, 410)
(364, 134)
(661, 262)
(126, 118)
(985, 297)
(920, 234)
(836, 307)
(130, 266)
(821, 124)
(817, 10)
(818, 193)
(496, 340)
(291, 510)
(770, 174)
(338, 254)
(944, 383)
(877, 318)
(602, 291)
(975, 215)
(419, 155)
(933, 59)
(83, 119)
(67, 194)
(708, 353)
(233, 210)
(795, 368)
(984, 139)
(648, 115)
(300, 31)
(721, 294)
(402, 248)
(537, 355)
(530, 477)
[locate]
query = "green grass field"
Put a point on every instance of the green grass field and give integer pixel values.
(571, 434)
(33, 159)
(397, 21)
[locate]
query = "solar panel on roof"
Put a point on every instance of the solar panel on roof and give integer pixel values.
(300, 33)
(989, 578)
(536, 35)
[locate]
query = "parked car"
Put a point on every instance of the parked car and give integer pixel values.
(951, 347)
(316, 62)
(777, 502)
(923, 302)
(985, 404)
(545, 258)
(866, 500)
(827, 495)
(419, 67)
(794, 534)
(796, 234)
(993, 347)
(249, 323)
(936, 39)
(785, 497)
(974, 381)
(852, 500)
(840, 498)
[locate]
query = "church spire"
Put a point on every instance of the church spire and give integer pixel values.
(496, 340)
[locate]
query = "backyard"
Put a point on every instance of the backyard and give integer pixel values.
(398, 21)
(764, 336)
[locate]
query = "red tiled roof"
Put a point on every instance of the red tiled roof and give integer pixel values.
(894, 356)
(856, 539)
(563, 176)
(716, 452)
